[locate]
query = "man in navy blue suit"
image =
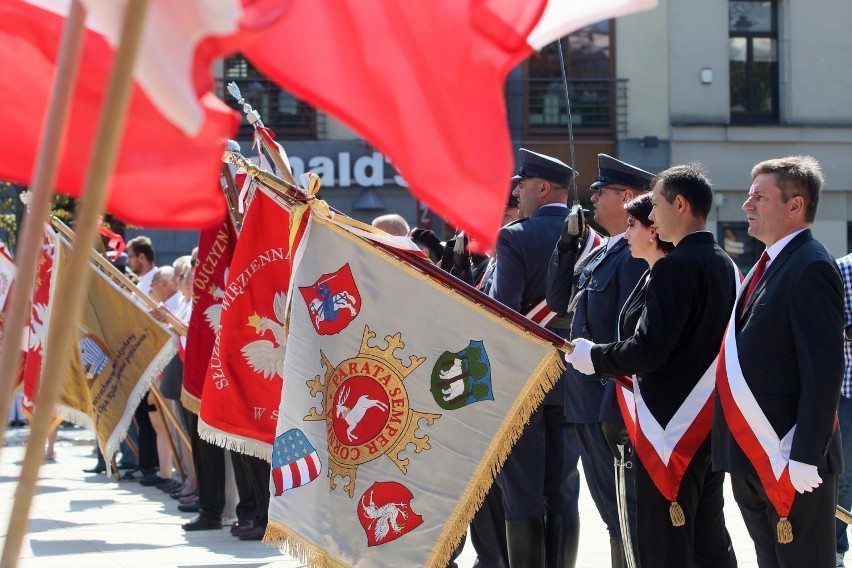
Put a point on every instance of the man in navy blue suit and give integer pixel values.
(540, 481)
(608, 277)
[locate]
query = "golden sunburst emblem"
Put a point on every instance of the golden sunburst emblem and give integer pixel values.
(366, 409)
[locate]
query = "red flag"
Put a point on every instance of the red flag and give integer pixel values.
(423, 82)
(215, 250)
(163, 177)
(36, 335)
(242, 391)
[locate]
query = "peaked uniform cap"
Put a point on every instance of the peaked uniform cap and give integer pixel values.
(612, 171)
(535, 165)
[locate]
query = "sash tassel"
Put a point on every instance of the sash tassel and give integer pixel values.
(785, 531)
(676, 514)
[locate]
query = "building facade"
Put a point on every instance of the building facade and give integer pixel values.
(726, 83)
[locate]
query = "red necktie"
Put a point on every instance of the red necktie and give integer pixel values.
(757, 274)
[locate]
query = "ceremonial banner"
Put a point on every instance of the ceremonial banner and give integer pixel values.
(7, 277)
(215, 250)
(239, 409)
(402, 399)
(120, 350)
(35, 336)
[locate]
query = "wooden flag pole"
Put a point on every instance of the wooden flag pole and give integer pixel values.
(69, 299)
(44, 178)
(169, 417)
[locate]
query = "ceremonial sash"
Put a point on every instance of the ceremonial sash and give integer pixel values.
(540, 313)
(667, 452)
(755, 435)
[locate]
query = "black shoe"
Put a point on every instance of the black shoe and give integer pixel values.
(132, 475)
(181, 495)
(193, 507)
(200, 523)
(241, 526)
(123, 465)
(151, 480)
(254, 533)
(97, 469)
(171, 486)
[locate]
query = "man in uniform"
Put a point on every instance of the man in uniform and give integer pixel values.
(539, 480)
(679, 502)
(783, 367)
(607, 279)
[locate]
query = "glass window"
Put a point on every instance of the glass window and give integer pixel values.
(591, 87)
(753, 59)
(744, 249)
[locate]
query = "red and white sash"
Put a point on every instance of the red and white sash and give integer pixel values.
(755, 435)
(667, 452)
(540, 313)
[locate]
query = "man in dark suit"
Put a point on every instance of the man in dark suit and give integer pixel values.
(673, 357)
(607, 279)
(779, 389)
(540, 481)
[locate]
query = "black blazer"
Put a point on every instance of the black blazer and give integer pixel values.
(688, 302)
(790, 341)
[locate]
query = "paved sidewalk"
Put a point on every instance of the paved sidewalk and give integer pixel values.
(80, 519)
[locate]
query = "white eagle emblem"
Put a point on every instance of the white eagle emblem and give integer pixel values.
(213, 313)
(38, 327)
(267, 357)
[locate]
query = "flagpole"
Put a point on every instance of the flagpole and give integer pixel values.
(44, 178)
(70, 298)
(106, 266)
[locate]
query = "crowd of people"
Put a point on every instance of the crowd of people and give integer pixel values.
(682, 370)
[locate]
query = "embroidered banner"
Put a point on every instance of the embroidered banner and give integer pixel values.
(120, 350)
(239, 406)
(215, 250)
(401, 400)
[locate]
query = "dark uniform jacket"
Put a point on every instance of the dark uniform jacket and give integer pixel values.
(687, 305)
(790, 344)
(609, 279)
(523, 253)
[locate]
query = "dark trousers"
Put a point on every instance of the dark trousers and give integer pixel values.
(812, 518)
(703, 541)
(540, 474)
(600, 477)
(488, 531)
(255, 472)
(146, 437)
(209, 461)
(844, 490)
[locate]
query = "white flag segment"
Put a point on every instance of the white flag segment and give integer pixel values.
(561, 17)
(408, 465)
(7, 275)
(166, 62)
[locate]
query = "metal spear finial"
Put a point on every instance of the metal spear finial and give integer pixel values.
(252, 115)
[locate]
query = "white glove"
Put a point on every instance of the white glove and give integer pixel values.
(581, 357)
(804, 477)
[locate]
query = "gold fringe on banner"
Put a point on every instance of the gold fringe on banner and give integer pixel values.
(190, 402)
(676, 514)
(785, 531)
(542, 380)
(295, 545)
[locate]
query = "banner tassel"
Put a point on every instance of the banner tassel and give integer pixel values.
(785, 531)
(676, 514)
